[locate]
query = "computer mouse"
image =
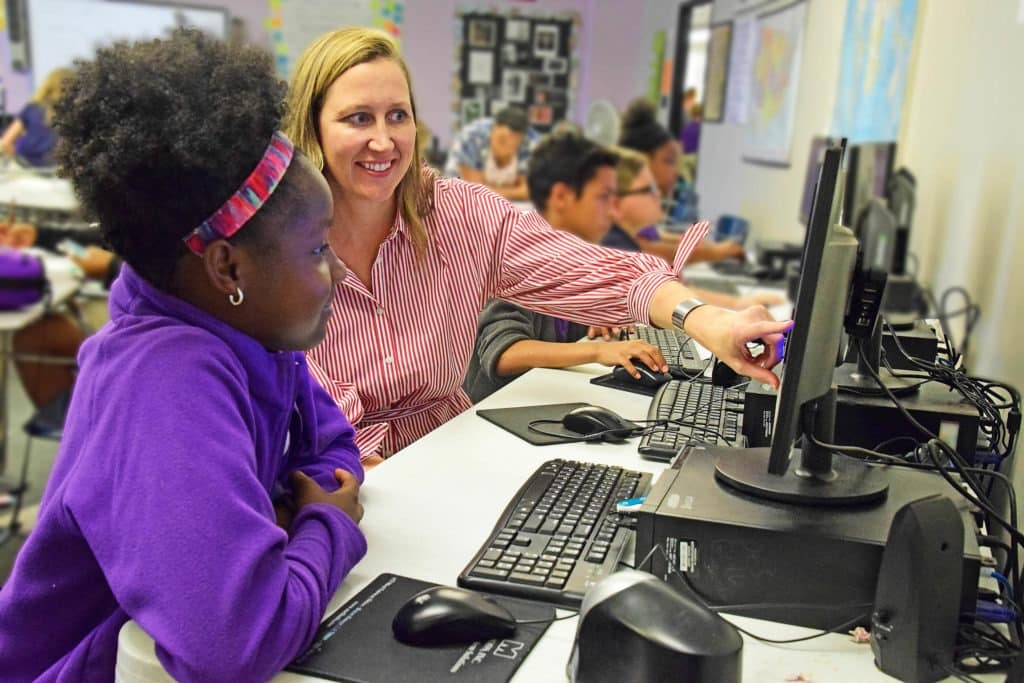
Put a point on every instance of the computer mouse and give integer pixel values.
(648, 378)
(443, 615)
(589, 420)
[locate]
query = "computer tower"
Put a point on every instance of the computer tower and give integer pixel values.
(868, 421)
(810, 566)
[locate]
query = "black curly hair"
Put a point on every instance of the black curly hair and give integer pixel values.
(564, 158)
(640, 129)
(156, 135)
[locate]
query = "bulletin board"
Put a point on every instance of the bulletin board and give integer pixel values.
(294, 24)
(515, 60)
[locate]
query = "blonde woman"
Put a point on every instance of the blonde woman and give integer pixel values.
(30, 137)
(637, 211)
(425, 253)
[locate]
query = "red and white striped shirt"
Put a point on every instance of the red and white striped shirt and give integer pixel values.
(395, 355)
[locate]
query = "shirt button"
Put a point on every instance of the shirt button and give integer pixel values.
(389, 360)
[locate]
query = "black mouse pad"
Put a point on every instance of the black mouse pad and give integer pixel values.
(610, 380)
(355, 644)
(517, 420)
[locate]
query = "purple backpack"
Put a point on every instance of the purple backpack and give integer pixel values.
(22, 279)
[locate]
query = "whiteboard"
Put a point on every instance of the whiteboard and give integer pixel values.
(60, 31)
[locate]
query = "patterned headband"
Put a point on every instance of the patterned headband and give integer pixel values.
(247, 200)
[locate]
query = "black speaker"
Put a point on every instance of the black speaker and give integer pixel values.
(635, 628)
(917, 599)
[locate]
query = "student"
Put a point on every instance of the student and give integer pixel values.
(690, 137)
(56, 335)
(572, 184)
(642, 132)
(424, 255)
(194, 423)
(494, 152)
(30, 137)
(637, 211)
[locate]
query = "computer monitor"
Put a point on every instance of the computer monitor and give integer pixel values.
(868, 167)
(901, 195)
(806, 401)
(876, 232)
(814, 158)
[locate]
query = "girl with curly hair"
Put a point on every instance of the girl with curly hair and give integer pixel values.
(205, 487)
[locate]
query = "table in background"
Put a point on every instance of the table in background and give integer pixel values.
(38, 191)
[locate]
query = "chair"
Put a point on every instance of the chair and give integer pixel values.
(46, 423)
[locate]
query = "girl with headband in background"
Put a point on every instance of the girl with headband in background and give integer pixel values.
(205, 486)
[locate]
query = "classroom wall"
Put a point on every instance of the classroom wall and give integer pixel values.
(964, 140)
(615, 44)
(614, 40)
(769, 196)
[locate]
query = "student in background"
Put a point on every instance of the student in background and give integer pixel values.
(30, 137)
(572, 185)
(424, 255)
(58, 335)
(690, 136)
(637, 212)
(642, 132)
(688, 103)
(494, 152)
(205, 486)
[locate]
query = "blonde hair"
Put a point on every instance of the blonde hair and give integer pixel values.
(49, 91)
(327, 58)
(630, 164)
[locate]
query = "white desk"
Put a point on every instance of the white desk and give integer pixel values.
(430, 507)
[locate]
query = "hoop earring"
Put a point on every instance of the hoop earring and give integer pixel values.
(237, 298)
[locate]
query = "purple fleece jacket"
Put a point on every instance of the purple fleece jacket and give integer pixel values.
(159, 505)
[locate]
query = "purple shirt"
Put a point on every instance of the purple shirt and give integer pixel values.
(37, 143)
(691, 137)
(159, 505)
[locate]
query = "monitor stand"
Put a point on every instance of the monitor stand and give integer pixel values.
(899, 308)
(857, 378)
(816, 481)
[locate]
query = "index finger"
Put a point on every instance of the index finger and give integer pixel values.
(768, 330)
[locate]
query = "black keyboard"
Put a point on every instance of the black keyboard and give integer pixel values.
(706, 414)
(679, 350)
(560, 533)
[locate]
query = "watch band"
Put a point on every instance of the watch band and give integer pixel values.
(683, 309)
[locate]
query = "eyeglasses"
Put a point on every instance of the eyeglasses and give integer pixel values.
(650, 189)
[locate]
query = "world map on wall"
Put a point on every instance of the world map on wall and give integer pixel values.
(878, 37)
(774, 77)
(772, 73)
